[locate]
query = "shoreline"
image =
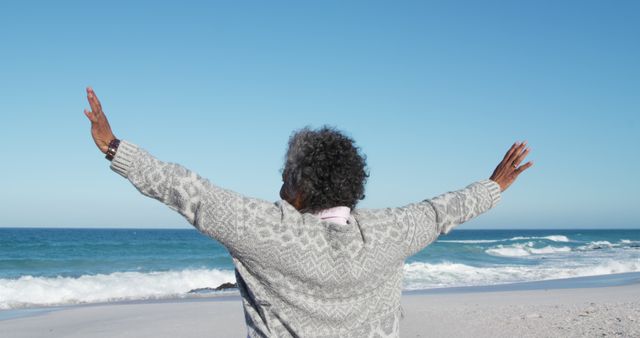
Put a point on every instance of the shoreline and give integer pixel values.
(598, 281)
(595, 305)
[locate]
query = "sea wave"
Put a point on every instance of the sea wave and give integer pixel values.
(553, 238)
(29, 291)
(419, 275)
(598, 245)
(524, 249)
(528, 248)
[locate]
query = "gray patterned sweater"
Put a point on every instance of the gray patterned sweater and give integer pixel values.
(300, 276)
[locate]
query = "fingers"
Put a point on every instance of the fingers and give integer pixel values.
(513, 155)
(90, 116)
(524, 167)
(508, 157)
(521, 156)
(96, 107)
(509, 152)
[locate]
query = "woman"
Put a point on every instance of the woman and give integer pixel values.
(310, 265)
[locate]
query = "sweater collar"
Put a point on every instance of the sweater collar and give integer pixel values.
(338, 215)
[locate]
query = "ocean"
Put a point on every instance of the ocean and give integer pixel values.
(47, 267)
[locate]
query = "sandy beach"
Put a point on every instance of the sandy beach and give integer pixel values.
(529, 310)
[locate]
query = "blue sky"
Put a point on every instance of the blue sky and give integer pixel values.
(433, 92)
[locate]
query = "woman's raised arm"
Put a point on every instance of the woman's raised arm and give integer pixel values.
(214, 211)
(432, 217)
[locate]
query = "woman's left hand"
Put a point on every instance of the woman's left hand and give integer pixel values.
(508, 170)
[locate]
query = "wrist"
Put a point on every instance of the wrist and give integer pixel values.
(499, 182)
(124, 159)
(112, 148)
(495, 190)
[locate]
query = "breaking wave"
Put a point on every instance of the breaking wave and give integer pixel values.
(553, 238)
(524, 249)
(528, 248)
(29, 291)
(419, 275)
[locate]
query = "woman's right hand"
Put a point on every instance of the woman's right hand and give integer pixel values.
(100, 128)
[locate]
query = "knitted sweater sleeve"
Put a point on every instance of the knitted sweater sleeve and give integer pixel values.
(214, 211)
(425, 221)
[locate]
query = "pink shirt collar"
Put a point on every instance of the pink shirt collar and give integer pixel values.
(338, 215)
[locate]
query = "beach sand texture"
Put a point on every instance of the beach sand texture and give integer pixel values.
(581, 312)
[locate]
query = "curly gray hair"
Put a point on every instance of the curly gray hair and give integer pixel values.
(323, 168)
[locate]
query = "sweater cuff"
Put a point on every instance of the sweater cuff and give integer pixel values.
(494, 191)
(123, 159)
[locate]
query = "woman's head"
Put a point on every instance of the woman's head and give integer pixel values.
(323, 168)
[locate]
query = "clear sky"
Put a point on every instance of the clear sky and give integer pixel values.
(434, 92)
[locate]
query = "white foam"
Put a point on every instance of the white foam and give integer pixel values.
(603, 243)
(549, 250)
(28, 291)
(517, 250)
(420, 275)
(595, 245)
(557, 238)
(524, 249)
(553, 238)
